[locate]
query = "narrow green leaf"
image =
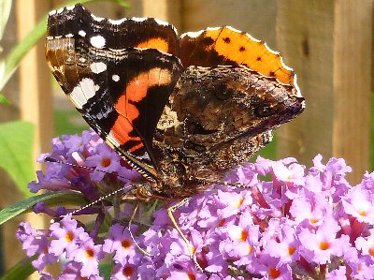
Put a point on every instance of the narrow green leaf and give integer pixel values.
(18, 52)
(5, 7)
(21, 270)
(16, 144)
(50, 198)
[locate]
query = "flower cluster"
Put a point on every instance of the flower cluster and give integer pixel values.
(84, 164)
(285, 221)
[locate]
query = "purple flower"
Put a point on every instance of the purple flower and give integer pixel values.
(120, 243)
(337, 274)
(270, 268)
(36, 243)
(82, 153)
(283, 221)
(103, 162)
(72, 271)
(282, 243)
(89, 255)
(359, 203)
(66, 236)
(366, 245)
(321, 244)
(185, 270)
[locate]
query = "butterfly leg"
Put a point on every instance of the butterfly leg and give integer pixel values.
(131, 234)
(190, 247)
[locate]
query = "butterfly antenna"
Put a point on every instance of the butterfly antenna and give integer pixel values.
(55, 160)
(100, 199)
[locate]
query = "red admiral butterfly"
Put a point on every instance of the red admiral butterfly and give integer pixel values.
(180, 110)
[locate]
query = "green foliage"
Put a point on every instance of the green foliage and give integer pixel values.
(16, 145)
(4, 100)
(65, 124)
(21, 270)
(5, 7)
(106, 269)
(50, 199)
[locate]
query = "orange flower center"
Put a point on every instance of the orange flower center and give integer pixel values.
(128, 271)
(244, 235)
(291, 250)
(274, 273)
(221, 223)
(371, 252)
(191, 276)
(69, 236)
(240, 202)
(90, 253)
(324, 245)
(362, 213)
(105, 162)
(126, 243)
(250, 249)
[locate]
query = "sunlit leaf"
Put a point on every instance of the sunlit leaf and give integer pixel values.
(16, 144)
(50, 198)
(5, 7)
(21, 270)
(4, 100)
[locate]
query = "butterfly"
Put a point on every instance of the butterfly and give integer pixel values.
(181, 110)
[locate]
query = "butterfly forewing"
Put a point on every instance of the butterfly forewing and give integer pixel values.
(120, 92)
(125, 33)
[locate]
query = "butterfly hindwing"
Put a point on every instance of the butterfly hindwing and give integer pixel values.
(226, 45)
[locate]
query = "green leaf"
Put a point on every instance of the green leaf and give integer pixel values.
(18, 52)
(21, 270)
(16, 144)
(4, 100)
(105, 269)
(5, 7)
(50, 198)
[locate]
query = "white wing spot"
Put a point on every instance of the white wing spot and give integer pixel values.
(98, 19)
(161, 22)
(115, 78)
(116, 21)
(97, 41)
(138, 19)
(85, 90)
(82, 33)
(98, 67)
(192, 34)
